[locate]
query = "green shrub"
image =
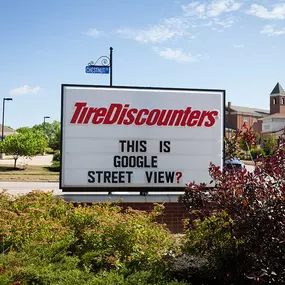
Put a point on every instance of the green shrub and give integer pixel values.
(49, 150)
(257, 152)
(5, 279)
(56, 156)
(210, 251)
(109, 238)
(270, 145)
(34, 267)
(213, 234)
(55, 166)
(146, 277)
(45, 240)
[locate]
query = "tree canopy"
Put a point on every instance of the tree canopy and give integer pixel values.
(51, 132)
(25, 143)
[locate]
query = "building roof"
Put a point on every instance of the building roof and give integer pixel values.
(229, 128)
(276, 115)
(250, 111)
(278, 90)
(7, 130)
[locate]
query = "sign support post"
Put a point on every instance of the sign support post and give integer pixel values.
(106, 66)
(111, 66)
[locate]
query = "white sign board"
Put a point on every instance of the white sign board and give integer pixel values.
(139, 137)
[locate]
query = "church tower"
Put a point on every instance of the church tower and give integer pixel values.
(277, 100)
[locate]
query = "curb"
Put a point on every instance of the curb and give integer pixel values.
(28, 181)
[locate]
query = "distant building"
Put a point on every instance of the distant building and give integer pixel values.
(237, 117)
(265, 122)
(275, 122)
(7, 131)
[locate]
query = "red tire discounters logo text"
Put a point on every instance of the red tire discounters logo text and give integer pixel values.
(119, 114)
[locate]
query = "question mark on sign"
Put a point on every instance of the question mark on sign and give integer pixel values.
(178, 175)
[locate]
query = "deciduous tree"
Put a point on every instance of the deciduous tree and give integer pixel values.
(52, 132)
(25, 143)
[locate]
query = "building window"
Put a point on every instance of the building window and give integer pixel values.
(274, 101)
(283, 101)
(245, 119)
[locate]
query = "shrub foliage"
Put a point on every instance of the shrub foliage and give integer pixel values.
(45, 240)
(239, 224)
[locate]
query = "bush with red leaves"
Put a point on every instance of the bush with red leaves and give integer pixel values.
(255, 201)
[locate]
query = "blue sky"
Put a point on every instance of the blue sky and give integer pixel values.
(236, 45)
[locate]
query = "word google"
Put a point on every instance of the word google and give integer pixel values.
(119, 114)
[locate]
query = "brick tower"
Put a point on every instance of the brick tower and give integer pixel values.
(277, 100)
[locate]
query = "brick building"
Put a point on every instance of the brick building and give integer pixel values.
(275, 122)
(237, 117)
(265, 122)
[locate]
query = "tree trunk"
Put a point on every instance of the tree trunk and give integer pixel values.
(15, 162)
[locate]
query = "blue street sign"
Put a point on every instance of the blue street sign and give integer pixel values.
(97, 69)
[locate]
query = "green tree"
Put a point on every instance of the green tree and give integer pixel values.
(54, 141)
(51, 131)
(243, 145)
(258, 136)
(25, 143)
(270, 145)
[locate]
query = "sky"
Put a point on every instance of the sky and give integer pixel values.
(234, 45)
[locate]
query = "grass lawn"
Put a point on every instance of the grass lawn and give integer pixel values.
(31, 173)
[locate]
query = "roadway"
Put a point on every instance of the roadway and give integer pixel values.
(16, 188)
(44, 160)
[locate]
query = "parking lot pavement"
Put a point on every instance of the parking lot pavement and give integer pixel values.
(44, 160)
(16, 188)
(250, 168)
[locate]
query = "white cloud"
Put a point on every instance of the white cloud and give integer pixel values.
(222, 6)
(277, 12)
(195, 9)
(210, 10)
(195, 15)
(271, 31)
(93, 33)
(238, 46)
(226, 23)
(218, 30)
(154, 34)
(26, 89)
(167, 29)
(176, 54)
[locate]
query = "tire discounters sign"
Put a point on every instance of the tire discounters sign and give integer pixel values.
(135, 138)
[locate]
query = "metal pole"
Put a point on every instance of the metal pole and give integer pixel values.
(111, 66)
(111, 79)
(44, 125)
(2, 138)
